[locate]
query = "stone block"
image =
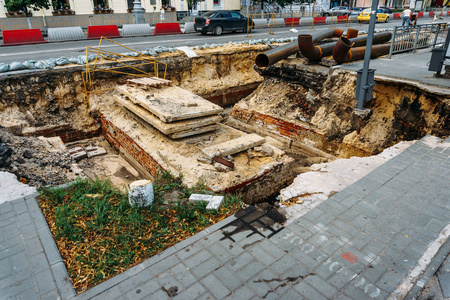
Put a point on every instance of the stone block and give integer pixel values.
(234, 146)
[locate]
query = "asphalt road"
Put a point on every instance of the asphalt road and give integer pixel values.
(75, 48)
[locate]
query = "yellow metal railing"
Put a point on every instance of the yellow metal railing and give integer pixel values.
(125, 62)
(270, 17)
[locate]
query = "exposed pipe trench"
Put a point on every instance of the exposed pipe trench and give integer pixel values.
(306, 45)
(343, 51)
(263, 60)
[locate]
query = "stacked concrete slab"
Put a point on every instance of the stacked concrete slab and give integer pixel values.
(175, 112)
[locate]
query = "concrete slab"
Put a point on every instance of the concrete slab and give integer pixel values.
(167, 128)
(170, 103)
(234, 146)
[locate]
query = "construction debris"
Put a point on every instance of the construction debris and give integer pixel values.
(214, 202)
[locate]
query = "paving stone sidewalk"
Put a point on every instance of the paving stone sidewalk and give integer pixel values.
(382, 237)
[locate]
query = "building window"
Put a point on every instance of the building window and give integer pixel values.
(216, 3)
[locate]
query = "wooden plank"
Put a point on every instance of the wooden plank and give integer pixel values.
(234, 146)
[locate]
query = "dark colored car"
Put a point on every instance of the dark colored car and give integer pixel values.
(219, 21)
(336, 11)
(386, 10)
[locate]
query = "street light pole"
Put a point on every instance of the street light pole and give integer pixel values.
(362, 94)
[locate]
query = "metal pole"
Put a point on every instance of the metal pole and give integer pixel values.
(365, 71)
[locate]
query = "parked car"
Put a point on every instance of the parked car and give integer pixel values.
(223, 20)
(386, 10)
(365, 16)
(356, 10)
(336, 11)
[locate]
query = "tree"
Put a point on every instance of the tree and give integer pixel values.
(14, 5)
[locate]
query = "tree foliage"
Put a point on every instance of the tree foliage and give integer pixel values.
(15, 5)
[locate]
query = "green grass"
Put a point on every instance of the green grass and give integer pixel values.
(99, 234)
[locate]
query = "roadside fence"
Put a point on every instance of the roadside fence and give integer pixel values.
(411, 38)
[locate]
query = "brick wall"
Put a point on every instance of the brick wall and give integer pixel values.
(119, 139)
(268, 125)
(64, 131)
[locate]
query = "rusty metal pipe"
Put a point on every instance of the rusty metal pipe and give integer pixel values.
(343, 51)
(315, 53)
(352, 33)
(378, 38)
(263, 60)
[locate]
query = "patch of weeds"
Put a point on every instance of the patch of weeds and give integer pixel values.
(100, 235)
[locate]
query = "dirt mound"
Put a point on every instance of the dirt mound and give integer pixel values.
(35, 161)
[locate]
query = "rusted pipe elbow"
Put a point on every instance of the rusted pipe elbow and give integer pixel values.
(338, 32)
(341, 51)
(306, 47)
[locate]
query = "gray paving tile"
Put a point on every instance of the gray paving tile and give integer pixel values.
(308, 292)
(19, 261)
(190, 250)
(144, 290)
(29, 294)
(228, 278)
(341, 277)
(283, 264)
(215, 286)
(374, 271)
(250, 270)
(262, 256)
(239, 262)
(389, 281)
(39, 262)
(45, 282)
(220, 252)
(206, 267)
(444, 280)
(183, 275)
(321, 285)
(242, 293)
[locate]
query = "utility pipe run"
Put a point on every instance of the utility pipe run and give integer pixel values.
(343, 51)
(263, 60)
(314, 53)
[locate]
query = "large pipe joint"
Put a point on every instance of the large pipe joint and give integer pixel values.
(341, 50)
(262, 60)
(306, 47)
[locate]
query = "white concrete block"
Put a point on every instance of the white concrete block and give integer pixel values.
(215, 203)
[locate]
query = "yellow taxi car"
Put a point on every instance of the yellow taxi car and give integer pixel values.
(365, 16)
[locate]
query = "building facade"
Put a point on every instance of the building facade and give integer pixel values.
(86, 7)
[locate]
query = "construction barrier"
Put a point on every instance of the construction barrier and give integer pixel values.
(108, 31)
(22, 37)
(292, 22)
(448, 13)
(61, 34)
(342, 19)
(276, 21)
(188, 27)
(136, 29)
(420, 14)
(320, 20)
(167, 28)
(396, 16)
(431, 14)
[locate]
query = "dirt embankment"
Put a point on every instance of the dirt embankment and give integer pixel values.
(323, 106)
(37, 102)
